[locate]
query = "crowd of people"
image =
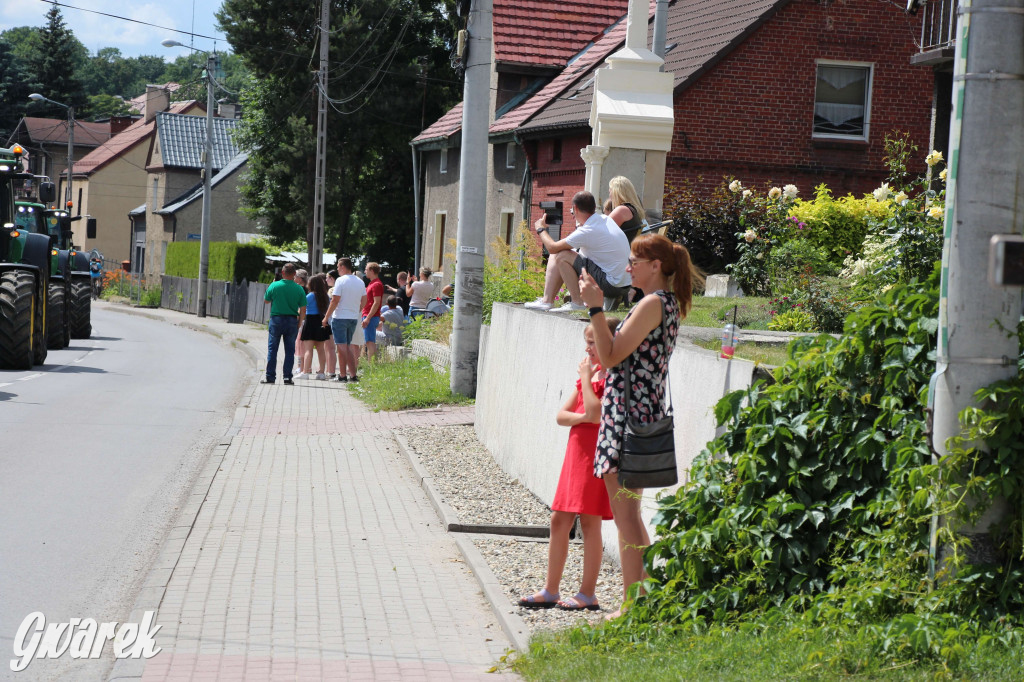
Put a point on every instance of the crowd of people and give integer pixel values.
(340, 316)
(622, 376)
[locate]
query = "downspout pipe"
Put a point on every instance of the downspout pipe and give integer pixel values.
(660, 29)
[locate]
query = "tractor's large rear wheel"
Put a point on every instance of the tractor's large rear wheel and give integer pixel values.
(81, 308)
(55, 320)
(17, 319)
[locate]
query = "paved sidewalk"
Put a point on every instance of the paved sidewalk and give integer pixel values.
(312, 553)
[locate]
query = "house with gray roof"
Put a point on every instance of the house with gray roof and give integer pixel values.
(174, 167)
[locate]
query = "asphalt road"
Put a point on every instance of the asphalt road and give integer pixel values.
(98, 447)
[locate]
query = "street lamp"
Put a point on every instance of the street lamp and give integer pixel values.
(204, 231)
(36, 97)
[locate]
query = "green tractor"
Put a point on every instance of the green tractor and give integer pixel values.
(75, 264)
(25, 262)
(31, 217)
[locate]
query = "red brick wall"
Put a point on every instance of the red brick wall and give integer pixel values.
(555, 180)
(751, 115)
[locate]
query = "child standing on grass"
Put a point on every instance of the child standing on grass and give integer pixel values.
(579, 492)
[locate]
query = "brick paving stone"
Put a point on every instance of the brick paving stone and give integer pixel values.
(315, 554)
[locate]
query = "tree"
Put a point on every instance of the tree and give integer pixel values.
(379, 49)
(54, 62)
(15, 87)
(105, 106)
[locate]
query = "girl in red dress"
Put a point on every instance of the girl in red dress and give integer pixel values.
(579, 492)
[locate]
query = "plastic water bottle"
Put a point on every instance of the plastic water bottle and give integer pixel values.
(728, 341)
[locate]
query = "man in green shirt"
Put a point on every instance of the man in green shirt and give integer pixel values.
(287, 313)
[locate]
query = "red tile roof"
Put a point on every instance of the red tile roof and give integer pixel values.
(55, 131)
(446, 126)
(559, 87)
(705, 31)
(549, 32)
(127, 139)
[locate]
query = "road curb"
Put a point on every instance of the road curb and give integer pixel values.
(236, 340)
(512, 625)
(152, 593)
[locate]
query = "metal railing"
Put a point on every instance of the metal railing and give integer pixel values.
(938, 24)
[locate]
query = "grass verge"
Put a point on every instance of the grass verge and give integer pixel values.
(751, 312)
(773, 354)
(785, 652)
(405, 383)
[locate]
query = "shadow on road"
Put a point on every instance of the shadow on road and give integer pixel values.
(80, 369)
(7, 396)
(105, 338)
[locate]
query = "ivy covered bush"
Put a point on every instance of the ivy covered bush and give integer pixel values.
(814, 506)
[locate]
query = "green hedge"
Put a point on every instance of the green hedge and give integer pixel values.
(229, 261)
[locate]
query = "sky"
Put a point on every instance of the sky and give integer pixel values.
(132, 39)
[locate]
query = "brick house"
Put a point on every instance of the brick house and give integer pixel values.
(768, 91)
(532, 42)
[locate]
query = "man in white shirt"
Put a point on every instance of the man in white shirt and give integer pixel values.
(347, 300)
(603, 251)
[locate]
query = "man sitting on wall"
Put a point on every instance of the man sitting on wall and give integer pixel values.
(603, 251)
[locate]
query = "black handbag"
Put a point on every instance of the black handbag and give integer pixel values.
(648, 457)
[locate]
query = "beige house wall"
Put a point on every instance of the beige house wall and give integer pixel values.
(163, 185)
(110, 193)
(225, 219)
(441, 196)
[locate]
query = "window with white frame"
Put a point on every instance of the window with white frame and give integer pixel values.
(510, 155)
(842, 100)
(444, 160)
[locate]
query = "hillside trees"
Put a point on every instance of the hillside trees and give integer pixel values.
(389, 75)
(15, 87)
(53, 62)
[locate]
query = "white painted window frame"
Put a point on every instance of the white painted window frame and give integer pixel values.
(443, 164)
(870, 66)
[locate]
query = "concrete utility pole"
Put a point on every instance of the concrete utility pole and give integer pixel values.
(204, 229)
(984, 197)
(68, 196)
(315, 247)
(469, 270)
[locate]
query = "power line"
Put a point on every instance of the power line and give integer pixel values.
(134, 21)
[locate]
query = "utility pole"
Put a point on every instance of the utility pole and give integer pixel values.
(470, 251)
(984, 197)
(315, 248)
(204, 229)
(68, 197)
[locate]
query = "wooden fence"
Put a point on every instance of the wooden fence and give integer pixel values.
(234, 302)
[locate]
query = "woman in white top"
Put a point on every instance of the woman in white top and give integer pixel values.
(421, 291)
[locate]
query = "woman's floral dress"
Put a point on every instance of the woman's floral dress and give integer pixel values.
(649, 364)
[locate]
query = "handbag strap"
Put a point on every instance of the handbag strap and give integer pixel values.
(629, 364)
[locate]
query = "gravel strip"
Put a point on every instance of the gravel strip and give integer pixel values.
(469, 480)
(521, 566)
